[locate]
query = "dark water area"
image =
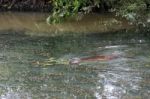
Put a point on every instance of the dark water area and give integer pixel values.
(34, 23)
(36, 67)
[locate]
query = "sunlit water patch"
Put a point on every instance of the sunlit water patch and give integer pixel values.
(38, 67)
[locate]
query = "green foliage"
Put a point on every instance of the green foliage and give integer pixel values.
(63, 9)
(131, 9)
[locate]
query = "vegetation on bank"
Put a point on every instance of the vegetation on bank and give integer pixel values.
(130, 9)
(133, 10)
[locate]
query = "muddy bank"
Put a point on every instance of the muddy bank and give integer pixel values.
(26, 5)
(35, 23)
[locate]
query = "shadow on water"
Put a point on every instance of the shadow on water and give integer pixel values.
(37, 67)
(35, 23)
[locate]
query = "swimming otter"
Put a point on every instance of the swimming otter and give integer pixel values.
(94, 58)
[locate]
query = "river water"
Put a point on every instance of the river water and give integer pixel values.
(35, 23)
(37, 67)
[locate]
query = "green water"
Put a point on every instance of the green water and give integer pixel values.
(35, 23)
(26, 71)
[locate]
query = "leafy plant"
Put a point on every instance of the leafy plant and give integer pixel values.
(63, 9)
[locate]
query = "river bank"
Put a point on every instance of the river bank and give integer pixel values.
(34, 23)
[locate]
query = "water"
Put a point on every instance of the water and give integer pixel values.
(35, 23)
(33, 67)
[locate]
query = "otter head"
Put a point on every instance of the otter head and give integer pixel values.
(74, 61)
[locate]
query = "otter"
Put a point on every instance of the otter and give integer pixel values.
(76, 60)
